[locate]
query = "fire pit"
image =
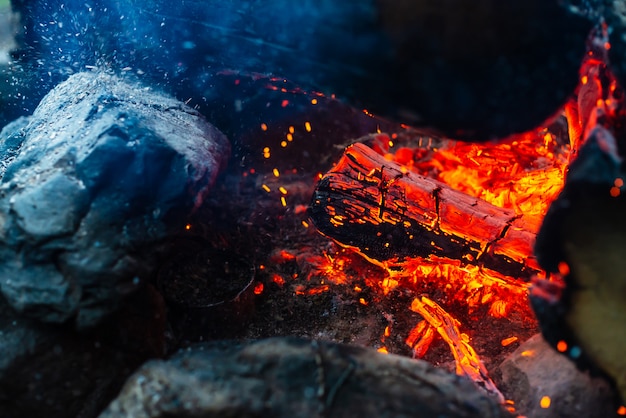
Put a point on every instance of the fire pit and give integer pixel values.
(330, 224)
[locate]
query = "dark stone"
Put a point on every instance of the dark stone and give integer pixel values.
(52, 371)
(535, 370)
(102, 173)
(288, 377)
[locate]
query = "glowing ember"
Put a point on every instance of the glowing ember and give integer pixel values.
(467, 361)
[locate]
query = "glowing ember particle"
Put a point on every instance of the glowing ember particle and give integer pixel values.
(528, 353)
(266, 152)
(292, 129)
(563, 268)
(607, 45)
(263, 127)
(284, 103)
(314, 101)
(289, 137)
(357, 288)
(317, 290)
(307, 126)
(621, 410)
(362, 301)
(584, 79)
(561, 346)
(383, 350)
(618, 182)
(283, 201)
(258, 288)
(390, 143)
(282, 190)
(387, 331)
(615, 191)
(266, 188)
(188, 227)
(305, 224)
(278, 279)
(498, 309)
(508, 341)
(545, 402)
(283, 144)
(276, 172)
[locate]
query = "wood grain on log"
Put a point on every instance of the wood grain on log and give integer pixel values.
(375, 205)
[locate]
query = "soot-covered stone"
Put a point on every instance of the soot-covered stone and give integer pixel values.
(103, 172)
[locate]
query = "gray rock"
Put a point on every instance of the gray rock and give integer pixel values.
(536, 370)
(288, 377)
(102, 173)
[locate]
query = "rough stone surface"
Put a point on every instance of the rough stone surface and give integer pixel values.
(52, 371)
(536, 370)
(284, 377)
(99, 175)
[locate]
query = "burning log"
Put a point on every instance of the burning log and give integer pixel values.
(386, 213)
(477, 71)
(292, 377)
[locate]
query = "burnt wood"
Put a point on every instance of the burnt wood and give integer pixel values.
(372, 204)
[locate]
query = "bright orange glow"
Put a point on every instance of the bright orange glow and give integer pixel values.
(276, 172)
(563, 268)
(258, 288)
(317, 290)
(188, 227)
(545, 402)
(383, 350)
(615, 191)
(307, 126)
(278, 279)
(467, 361)
(621, 410)
(508, 341)
(283, 201)
(263, 127)
(266, 188)
(584, 79)
(561, 346)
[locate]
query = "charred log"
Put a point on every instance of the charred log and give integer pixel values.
(386, 213)
(471, 70)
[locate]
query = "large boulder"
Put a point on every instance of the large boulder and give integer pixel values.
(100, 176)
(289, 377)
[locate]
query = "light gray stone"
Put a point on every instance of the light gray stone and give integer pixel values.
(536, 370)
(103, 172)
